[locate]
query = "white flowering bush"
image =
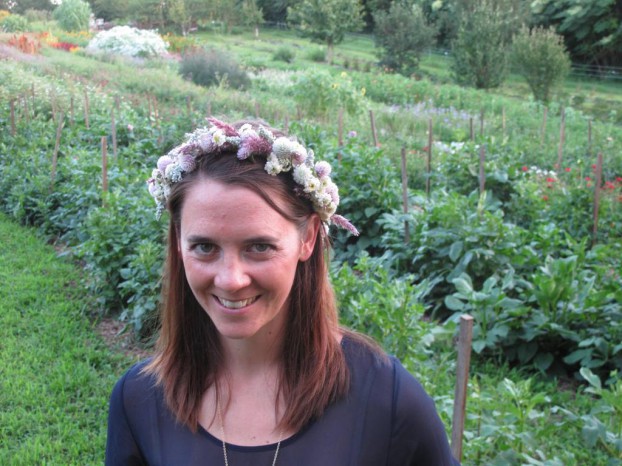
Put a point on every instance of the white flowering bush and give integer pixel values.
(129, 42)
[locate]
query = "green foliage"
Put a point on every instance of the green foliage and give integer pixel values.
(317, 55)
(213, 67)
(591, 29)
(33, 15)
(374, 301)
(481, 47)
(73, 15)
(403, 36)
(284, 54)
(540, 56)
(14, 23)
(326, 21)
(319, 92)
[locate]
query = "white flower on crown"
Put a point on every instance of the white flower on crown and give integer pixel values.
(302, 174)
(273, 166)
(311, 185)
(218, 137)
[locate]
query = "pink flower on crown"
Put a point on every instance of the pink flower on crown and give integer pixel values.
(187, 163)
(253, 144)
(323, 169)
(164, 162)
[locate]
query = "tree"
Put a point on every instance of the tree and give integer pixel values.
(251, 15)
(541, 58)
(110, 10)
(326, 21)
(20, 6)
(402, 35)
(481, 47)
(73, 15)
(592, 30)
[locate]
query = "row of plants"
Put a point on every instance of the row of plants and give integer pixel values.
(486, 255)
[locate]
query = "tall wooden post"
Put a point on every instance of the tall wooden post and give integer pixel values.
(104, 145)
(405, 195)
(12, 104)
(482, 172)
(428, 163)
(462, 379)
(543, 127)
(562, 139)
(373, 128)
(597, 184)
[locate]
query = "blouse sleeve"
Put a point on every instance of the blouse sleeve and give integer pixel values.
(418, 434)
(121, 446)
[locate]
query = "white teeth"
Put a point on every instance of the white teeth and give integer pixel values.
(236, 304)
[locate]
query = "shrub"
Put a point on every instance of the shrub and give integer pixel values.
(317, 55)
(402, 34)
(129, 42)
(318, 92)
(211, 67)
(33, 15)
(14, 23)
(541, 58)
(73, 15)
(284, 54)
(480, 50)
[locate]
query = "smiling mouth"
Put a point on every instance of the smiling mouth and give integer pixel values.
(236, 304)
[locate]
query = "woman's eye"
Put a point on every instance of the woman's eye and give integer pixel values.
(204, 248)
(261, 248)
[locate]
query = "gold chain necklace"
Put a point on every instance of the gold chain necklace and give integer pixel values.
(224, 443)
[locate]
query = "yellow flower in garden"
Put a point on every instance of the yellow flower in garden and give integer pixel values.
(363, 91)
(344, 74)
(334, 85)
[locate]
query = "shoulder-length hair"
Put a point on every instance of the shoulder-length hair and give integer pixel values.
(189, 358)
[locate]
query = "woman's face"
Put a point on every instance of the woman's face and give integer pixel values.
(240, 257)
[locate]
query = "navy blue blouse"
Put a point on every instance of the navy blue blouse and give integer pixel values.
(386, 419)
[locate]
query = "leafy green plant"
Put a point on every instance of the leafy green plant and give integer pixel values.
(317, 54)
(540, 56)
(14, 23)
(211, 68)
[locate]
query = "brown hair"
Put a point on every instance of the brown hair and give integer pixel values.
(189, 357)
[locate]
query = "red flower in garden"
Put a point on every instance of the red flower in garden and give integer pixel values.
(587, 178)
(525, 168)
(609, 185)
(545, 198)
(593, 166)
(567, 169)
(550, 180)
(619, 179)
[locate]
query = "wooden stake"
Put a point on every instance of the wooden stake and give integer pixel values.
(481, 123)
(462, 379)
(117, 103)
(113, 127)
(286, 124)
(12, 104)
(471, 131)
(72, 119)
(503, 121)
(373, 128)
(562, 138)
(209, 109)
(482, 173)
(59, 129)
(34, 107)
(597, 183)
(257, 110)
(149, 107)
(543, 128)
(86, 109)
(104, 166)
(405, 195)
(26, 110)
(340, 127)
(428, 163)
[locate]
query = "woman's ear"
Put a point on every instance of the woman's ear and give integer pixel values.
(309, 236)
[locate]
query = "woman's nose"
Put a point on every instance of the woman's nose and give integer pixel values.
(231, 274)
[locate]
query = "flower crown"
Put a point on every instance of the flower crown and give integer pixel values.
(281, 153)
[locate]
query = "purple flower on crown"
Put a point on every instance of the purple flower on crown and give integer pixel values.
(323, 169)
(253, 144)
(164, 162)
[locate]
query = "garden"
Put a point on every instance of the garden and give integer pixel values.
(486, 202)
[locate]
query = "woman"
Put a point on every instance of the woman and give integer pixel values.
(251, 366)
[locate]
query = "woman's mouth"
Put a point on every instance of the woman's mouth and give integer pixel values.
(236, 304)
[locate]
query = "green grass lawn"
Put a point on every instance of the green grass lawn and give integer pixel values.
(55, 371)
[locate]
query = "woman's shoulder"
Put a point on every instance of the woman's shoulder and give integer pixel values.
(136, 384)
